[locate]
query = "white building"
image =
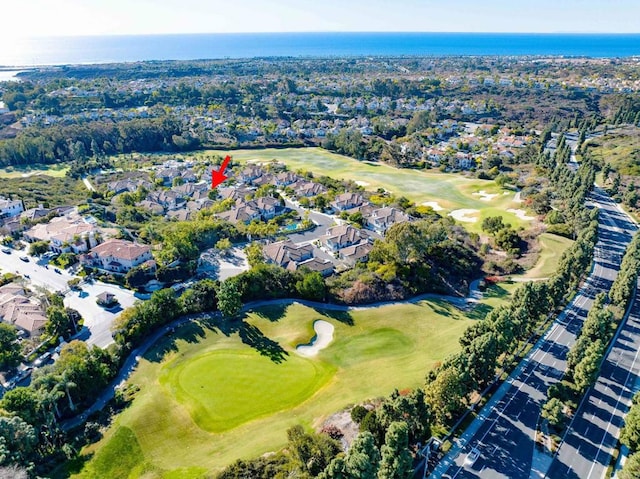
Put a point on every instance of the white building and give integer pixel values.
(10, 208)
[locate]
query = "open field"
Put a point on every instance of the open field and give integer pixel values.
(620, 147)
(208, 395)
(25, 171)
(551, 249)
(450, 191)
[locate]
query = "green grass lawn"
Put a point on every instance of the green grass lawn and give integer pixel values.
(552, 247)
(451, 191)
(57, 170)
(214, 393)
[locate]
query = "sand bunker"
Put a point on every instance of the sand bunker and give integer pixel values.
(521, 214)
(463, 215)
(433, 204)
(484, 196)
(322, 339)
(362, 183)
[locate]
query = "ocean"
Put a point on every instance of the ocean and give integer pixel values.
(127, 48)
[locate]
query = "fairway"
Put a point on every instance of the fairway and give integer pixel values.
(257, 385)
(58, 171)
(451, 191)
(211, 393)
(551, 249)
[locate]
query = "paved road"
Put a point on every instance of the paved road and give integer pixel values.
(96, 319)
(592, 437)
(504, 431)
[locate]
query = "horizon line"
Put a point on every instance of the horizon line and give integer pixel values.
(379, 32)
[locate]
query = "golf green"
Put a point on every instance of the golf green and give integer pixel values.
(223, 389)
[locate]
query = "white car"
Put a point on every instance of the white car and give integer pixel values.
(472, 457)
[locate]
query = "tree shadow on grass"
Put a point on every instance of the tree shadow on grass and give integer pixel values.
(342, 316)
(191, 332)
(273, 313)
(253, 337)
(495, 291)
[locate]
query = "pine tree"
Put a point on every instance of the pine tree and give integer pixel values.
(396, 460)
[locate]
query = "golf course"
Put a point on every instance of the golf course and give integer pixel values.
(471, 199)
(213, 391)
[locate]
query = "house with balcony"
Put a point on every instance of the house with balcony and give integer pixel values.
(117, 256)
(381, 219)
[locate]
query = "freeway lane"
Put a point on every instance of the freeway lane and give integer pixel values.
(593, 434)
(504, 431)
(592, 437)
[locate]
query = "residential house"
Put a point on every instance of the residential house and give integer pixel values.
(267, 206)
(382, 219)
(357, 252)
(307, 189)
(118, 256)
(10, 208)
(285, 178)
(284, 252)
(65, 234)
(250, 173)
(339, 237)
(324, 267)
(347, 201)
(17, 309)
(240, 214)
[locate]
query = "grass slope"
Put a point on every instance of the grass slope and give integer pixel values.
(184, 388)
(551, 249)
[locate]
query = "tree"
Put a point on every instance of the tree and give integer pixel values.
(336, 469)
(201, 297)
(59, 322)
(254, 254)
(23, 402)
(631, 469)
(396, 462)
(553, 412)
(224, 245)
(630, 435)
(312, 452)
(492, 224)
(18, 440)
(10, 350)
(586, 370)
(445, 394)
(363, 458)
(312, 286)
(229, 299)
(38, 247)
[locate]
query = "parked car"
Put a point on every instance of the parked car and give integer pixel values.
(24, 258)
(6, 250)
(42, 359)
(472, 457)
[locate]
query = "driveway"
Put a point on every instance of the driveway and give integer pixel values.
(222, 267)
(323, 221)
(96, 319)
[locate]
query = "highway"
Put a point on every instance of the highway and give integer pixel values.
(592, 436)
(504, 430)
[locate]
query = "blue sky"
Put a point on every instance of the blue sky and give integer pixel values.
(102, 17)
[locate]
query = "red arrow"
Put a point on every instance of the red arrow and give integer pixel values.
(218, 177)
